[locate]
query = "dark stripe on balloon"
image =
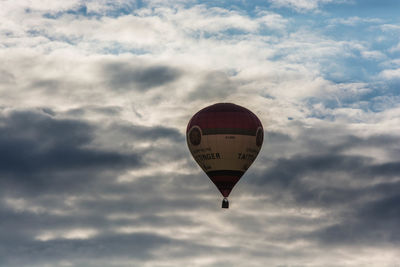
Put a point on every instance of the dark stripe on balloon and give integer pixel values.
(225, 173)
(238, 131)
(225, 180)
(225, 183)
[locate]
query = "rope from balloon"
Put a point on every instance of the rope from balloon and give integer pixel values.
(225, 203)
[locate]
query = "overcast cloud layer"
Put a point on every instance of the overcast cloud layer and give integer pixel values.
(95, 97)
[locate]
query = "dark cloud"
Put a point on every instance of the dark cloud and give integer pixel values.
(59, 86)
(48, 84)
(43, 153)
(104, 110)
(89, 252)
(275, 137)
(90, 206)
(371, 222)
(124, 76)
(49, 162)
(148, 133)
(286, 171)
(38, 149)
(54, 179)
(48, 111)
(108, 249)
(326, 158)
(216, 84)
(363, 193)
(18, 230)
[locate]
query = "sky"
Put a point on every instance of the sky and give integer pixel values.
(95, 97)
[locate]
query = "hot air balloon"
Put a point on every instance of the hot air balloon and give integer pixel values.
(224, 139)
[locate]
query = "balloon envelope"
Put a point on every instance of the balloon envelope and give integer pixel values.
(224, 139)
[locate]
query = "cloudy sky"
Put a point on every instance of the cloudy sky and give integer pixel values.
(95, 97)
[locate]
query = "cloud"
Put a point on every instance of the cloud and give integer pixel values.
(94, 101)
(50, 5)
(373, 222)
(139, 246)
(302, 5)
(395, 49)
(125, 76)
(214, 85)
(44, 153)
(143, 133)
(390, 27)
(54, 179)
(391, 74)
(359, 190)
(106, 110)
(353, 21)
(316, 189)
(6, 77)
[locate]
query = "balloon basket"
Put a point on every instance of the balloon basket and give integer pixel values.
(225, 203)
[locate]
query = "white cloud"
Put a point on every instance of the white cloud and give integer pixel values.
(352, 21)
(390, 27)
(390, 74)
(175, 37)
(212, 20)
(165, 35)
(67, 234)
(272, 20)
(34, 6)
(301, 5)
(395, 49)
(375, 55)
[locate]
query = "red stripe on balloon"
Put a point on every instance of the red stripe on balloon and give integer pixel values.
(225, 115)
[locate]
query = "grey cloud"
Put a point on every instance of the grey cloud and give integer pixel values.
(125, 76)
(363, 193)
(213, 85)
(38, 149)
(326, 157)
(18, 229)
(60, 172)
(48, 160)
(379, 141)
(104, 110)
(320, 175)
(42, 153)
(48, 111)
(374, 221)
(104, 250)
(170, 200)
(48, 84)
(161, 202)
(149, 195)
(275, 137)
(286, 171)
(143, 199)
(6, 77)
(58, 85)
(148, 133)
(90, 252)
